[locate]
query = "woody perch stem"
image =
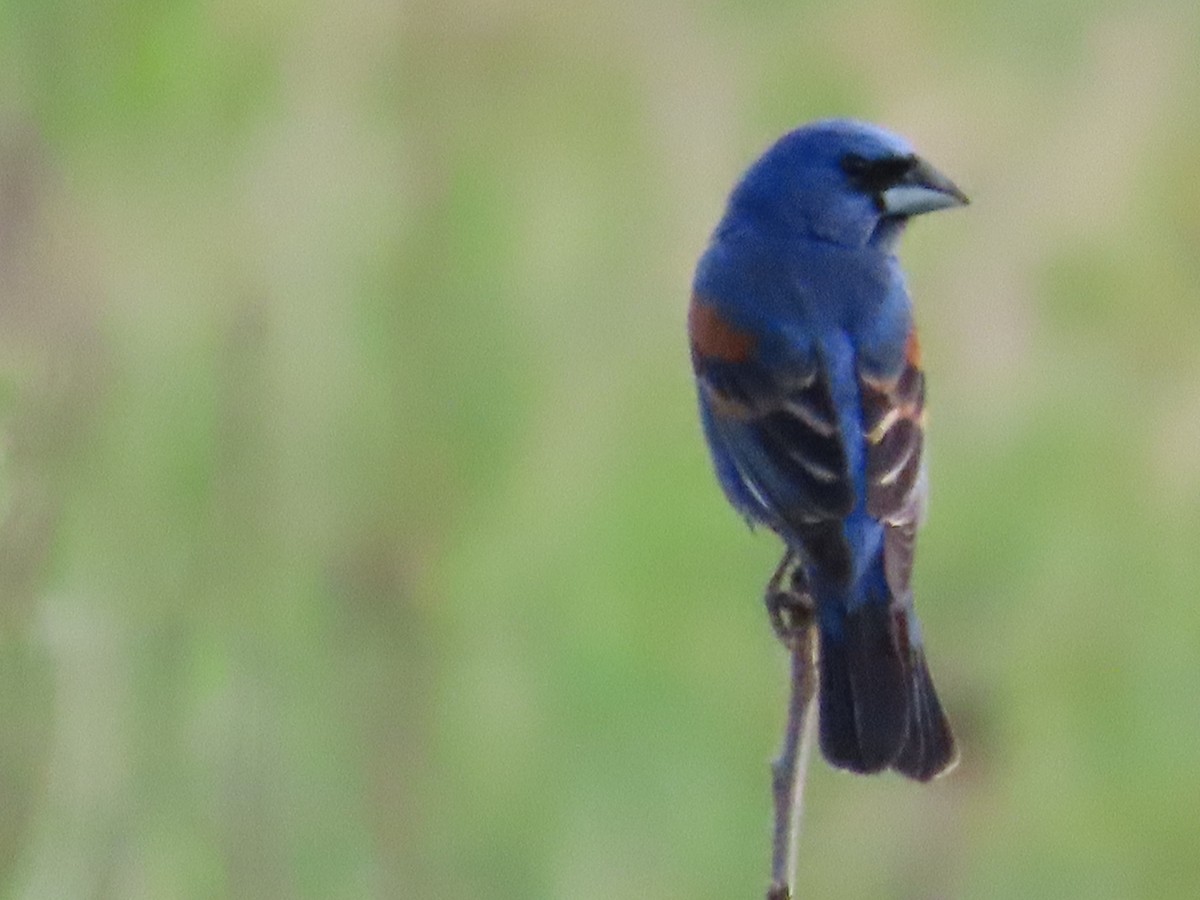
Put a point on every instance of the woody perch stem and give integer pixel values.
(789, 768)
(791, 615)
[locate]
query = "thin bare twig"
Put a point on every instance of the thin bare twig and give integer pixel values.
(791, 611)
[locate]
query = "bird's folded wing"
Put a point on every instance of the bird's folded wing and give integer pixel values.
(894, 428)
(782, 433)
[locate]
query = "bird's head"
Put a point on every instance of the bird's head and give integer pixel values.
(843, 181)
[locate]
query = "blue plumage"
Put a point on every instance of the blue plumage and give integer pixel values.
(812, 402)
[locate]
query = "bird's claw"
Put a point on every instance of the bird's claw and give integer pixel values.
(789, 601)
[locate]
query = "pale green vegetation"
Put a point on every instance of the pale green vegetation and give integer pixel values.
(358, 537)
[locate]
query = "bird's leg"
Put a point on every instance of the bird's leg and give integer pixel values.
(789, 600)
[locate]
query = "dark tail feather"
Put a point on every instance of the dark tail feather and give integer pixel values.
(864, 691)
(839, 733)
(878, 705)
(930, 749)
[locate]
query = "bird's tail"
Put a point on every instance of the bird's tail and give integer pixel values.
(878, 707)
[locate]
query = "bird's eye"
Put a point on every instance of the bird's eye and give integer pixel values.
(854, 165)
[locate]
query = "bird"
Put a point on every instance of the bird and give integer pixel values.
(812, 403)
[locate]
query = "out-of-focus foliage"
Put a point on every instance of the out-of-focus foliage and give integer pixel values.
(357, 535)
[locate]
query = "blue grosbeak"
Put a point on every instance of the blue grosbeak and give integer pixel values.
(812, 402)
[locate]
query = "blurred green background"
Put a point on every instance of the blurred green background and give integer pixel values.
(357, 535)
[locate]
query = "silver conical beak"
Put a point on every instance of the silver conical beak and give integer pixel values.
(922, 189)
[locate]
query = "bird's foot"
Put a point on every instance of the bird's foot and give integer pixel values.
(789, 601)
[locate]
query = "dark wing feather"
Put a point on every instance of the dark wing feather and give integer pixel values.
(894, 426)
(783, 433)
